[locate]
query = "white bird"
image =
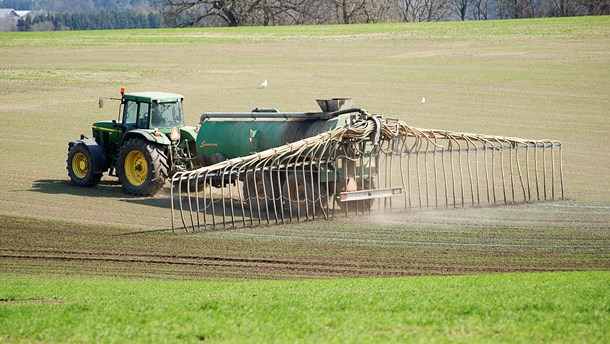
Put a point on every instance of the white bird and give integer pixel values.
(264, 84)
(423, 100)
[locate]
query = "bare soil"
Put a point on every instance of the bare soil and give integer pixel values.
(419, 243)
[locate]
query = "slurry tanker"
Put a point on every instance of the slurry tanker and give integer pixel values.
(265, 165)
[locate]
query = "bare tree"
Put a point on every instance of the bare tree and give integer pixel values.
(347, 10)
(599, 7)
(305, 11)
(565, 8)
(423, 10)
(379, 11)
(180, 13)
(217, 12)
(240, 12)
(515, 9)
(461, 6)
(480, 9)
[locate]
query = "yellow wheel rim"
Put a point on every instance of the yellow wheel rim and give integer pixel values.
(80, 165)
(136, 168)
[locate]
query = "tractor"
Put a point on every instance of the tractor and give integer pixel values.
(143, 147)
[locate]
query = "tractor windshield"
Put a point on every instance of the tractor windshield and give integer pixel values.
(167, 115)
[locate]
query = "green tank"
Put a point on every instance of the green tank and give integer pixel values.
(229, 135)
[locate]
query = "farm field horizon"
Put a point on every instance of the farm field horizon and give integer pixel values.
(534, 79)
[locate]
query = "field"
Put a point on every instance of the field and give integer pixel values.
(550, 307)
(66, 253)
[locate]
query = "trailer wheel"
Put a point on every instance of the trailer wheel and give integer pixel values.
(303, 196)
(142, 167)
(258, 191)
(80, 165)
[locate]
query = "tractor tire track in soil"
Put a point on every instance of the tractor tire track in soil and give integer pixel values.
(247, 266)
(531, 243)
(192, 266)
(172, 269)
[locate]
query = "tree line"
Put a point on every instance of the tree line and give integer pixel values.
(99, 20)
(50, 15)
(185, 13)
(72, 6)
(132, 14)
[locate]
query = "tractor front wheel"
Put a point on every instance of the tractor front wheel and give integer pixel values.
(80, 166)
(142, 167)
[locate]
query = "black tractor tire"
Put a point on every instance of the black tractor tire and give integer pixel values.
(81, 166)
(142, 167)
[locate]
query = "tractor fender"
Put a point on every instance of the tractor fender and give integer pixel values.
(149, 135)
(100, 164)
(189, 133)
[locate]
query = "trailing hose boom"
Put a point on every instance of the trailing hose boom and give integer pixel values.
(266, 167)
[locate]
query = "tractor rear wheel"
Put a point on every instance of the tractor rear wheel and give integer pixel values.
(142, 167)
(80, 165)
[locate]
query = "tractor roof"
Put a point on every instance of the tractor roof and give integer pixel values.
(150, 97)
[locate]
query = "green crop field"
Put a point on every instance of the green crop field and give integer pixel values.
(97, 265)
(549, 307)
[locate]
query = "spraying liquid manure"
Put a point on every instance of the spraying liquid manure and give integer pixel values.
(268, 167)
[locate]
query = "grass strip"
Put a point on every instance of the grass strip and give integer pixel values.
(440, 31)
(536, 307)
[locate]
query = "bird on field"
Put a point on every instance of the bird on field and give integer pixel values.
(423, 100)
(264, 84)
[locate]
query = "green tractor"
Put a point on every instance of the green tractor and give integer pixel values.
(143, 147)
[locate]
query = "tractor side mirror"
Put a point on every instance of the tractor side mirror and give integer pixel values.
(100, 102)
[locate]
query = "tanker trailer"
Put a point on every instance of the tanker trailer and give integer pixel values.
(302, 182)
(265, 166)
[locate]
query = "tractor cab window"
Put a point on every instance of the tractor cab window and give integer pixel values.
(136, 114)
(167, 115)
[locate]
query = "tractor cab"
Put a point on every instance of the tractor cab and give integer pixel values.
(152, 115)
(152, 110)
